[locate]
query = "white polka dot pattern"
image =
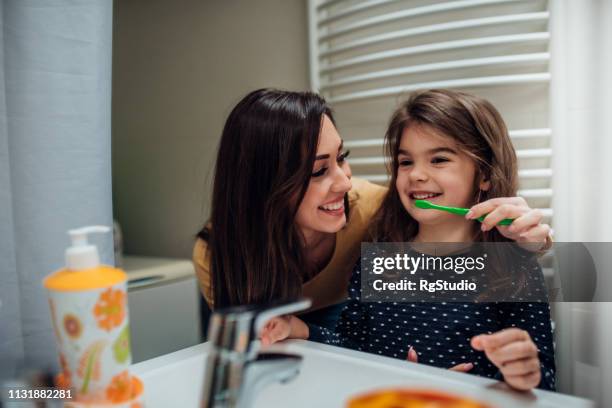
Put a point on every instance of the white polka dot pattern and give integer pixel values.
(439, 332)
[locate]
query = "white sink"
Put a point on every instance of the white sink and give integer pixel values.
(329, 376)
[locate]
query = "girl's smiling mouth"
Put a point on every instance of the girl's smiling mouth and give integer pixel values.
(423, 195)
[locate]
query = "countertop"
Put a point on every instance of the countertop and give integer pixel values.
(328, 377)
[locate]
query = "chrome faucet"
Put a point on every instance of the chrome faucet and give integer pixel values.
(235, 369)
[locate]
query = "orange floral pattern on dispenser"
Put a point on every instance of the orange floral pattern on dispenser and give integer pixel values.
(120, 388)
(110, 309)
(72, 326)
(62, 381)
(89, 364)
(64, 366)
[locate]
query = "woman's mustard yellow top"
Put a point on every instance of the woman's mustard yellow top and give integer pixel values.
(330, 285)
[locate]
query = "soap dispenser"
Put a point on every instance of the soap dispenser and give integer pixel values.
(89, 312)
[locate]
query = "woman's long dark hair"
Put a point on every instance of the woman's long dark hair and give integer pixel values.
(264, 164)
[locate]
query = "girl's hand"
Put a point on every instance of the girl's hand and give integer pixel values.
(515, 355)
(527, 227)
(281, 328)
(276, 329)
(462, 368)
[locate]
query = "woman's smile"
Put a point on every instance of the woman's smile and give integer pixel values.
(334, 208)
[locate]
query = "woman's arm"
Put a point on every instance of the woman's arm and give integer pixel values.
(527, 228)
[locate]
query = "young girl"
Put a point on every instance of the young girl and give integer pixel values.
(452, 149)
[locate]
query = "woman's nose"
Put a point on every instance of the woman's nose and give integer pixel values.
(342, 179)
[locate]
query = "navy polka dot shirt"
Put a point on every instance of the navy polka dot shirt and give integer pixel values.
(439, 332)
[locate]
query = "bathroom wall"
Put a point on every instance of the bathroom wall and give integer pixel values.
(178, 68)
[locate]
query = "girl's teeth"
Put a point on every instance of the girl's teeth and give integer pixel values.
(424, 196)
(333, 206)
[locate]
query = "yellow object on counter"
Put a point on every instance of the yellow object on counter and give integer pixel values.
(407, 398)
(100, 277)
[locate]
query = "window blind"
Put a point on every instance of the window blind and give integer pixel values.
(366, 56)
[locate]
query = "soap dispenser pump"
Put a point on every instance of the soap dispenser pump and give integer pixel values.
(82, 255)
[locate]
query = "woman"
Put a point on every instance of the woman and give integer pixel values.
(282, 196)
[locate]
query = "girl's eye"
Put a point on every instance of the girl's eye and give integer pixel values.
(405, 162)
(342, 157)
(319, 173)
(436, 160)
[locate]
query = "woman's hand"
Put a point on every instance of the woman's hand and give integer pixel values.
(462, 368)
(281, 328)
(527, 227)
(515, 355)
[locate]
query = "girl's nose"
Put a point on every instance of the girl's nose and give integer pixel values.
(418, 173)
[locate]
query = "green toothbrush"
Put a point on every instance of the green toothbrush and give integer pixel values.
(455, 210)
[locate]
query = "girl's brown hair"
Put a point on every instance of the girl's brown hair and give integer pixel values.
(480, 132)
(478, 129)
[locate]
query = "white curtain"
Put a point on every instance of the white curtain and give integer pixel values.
(55, 157)
(581, 87)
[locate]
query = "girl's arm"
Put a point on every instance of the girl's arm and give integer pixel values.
(534, 318)
(524, 351)
(350, 332)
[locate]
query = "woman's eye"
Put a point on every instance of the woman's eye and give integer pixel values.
(436, 160)
(342, 157)
(319, 173)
